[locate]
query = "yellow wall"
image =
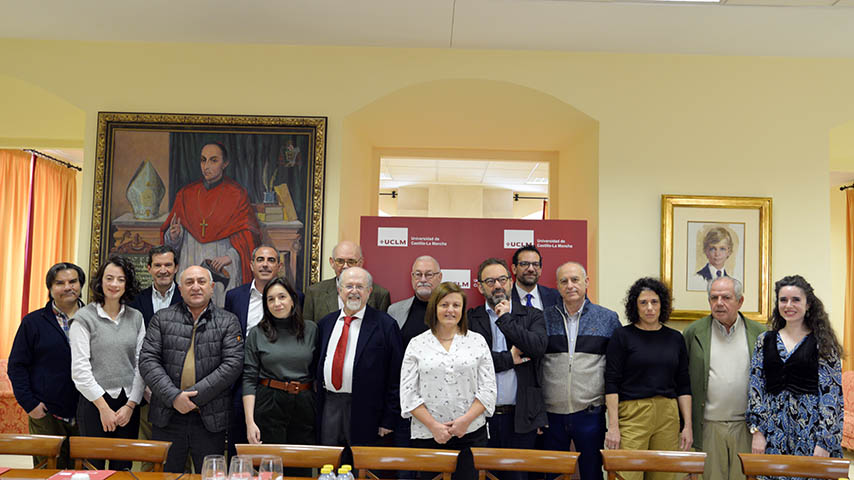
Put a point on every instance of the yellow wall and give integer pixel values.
(665, 124)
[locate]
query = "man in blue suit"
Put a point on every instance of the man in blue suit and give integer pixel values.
(163, 291)
(247, 304)
(359, 369)
(528, 266)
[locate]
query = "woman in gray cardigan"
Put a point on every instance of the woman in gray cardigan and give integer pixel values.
(105, 338)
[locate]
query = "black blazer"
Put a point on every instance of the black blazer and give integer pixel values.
(142, 302)
(549, 296)
(376, 375)
(525, 328)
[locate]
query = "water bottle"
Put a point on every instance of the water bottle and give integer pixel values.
(344, 473)
(326, 473)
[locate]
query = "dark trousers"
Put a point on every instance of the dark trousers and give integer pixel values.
(502, 434)
(335, 423)
(188, 435)
(285, 418)
(465, 461)
(402, 438)
(50, 425)
(89, 421)
(236, 426)
(587, 429)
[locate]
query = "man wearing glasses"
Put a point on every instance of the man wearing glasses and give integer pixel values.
(516, 334)
(322, 298)
(409, 315)
(359, 368)
(528, 266)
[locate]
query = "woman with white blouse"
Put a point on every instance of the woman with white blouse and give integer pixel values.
(447, 381)
(105, 338)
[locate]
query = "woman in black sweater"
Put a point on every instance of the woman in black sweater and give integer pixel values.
(646, 376)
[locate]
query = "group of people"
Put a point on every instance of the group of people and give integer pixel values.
(533, 367)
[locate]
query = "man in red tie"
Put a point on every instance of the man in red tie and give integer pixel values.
(359, 367)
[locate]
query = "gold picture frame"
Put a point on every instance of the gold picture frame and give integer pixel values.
(692, 226)
(276, 168)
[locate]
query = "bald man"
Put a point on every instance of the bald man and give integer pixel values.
(322, 298)
(192, 354)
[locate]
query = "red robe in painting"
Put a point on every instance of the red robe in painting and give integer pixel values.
(227, 213)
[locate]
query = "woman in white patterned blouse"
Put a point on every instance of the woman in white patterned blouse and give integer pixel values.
(447, 381)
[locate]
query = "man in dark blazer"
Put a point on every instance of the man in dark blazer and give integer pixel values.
(40, 360)
(246, 302)
(359, 369)
(516, 334)
(322, 298)
(528, 267)
(163, 292)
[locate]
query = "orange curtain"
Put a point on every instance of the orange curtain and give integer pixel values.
(53, 237)
(14, 204)
(848, 360)
(54, 224)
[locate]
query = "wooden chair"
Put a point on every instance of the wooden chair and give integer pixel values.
(47, 446)
(366, 459)
(125, 449)
(517, 460)
(753, 464)
(299, 456)
(616, 461)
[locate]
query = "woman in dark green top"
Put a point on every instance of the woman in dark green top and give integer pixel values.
(278, 371)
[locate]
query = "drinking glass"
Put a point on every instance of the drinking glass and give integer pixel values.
(270, 468)
(241, 468)
(213, 467)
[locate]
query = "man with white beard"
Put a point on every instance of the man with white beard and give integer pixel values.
(359, 368)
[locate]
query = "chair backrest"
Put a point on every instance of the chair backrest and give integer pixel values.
(38, 445)
(616, 461)
(84, 448)
(366, 459)
(301, 456)
(516, 460)
(753, 464)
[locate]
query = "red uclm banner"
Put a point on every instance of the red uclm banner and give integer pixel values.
(391, 244)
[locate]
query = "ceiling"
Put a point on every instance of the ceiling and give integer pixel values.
(530, 177)
(804, 28)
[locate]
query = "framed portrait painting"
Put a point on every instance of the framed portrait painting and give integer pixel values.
(705, 237)
(213, 187)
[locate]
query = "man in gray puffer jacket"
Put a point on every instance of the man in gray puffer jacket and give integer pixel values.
(192, 354)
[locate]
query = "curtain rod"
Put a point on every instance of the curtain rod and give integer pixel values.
(48, 157)
(846, 187)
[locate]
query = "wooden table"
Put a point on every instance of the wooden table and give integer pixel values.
(29, 473)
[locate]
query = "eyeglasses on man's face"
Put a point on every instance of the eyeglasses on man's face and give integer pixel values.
(424, 275)
(490, 282)
(525, 264)
(358, 288)
(351, 262)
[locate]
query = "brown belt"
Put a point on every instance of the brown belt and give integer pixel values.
(293, 387)
(504, 409)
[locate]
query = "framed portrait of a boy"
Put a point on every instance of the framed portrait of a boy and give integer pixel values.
(212, 187)
(708, 237)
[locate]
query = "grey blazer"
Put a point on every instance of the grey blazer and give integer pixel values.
(400, 310)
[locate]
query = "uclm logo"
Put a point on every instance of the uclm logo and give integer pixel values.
(518, 238)
(392, 236)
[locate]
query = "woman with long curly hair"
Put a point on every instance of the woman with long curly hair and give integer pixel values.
(647, 384)
(795, 398)
(105, 338)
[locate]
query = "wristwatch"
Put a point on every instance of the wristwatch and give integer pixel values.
(753, 429)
